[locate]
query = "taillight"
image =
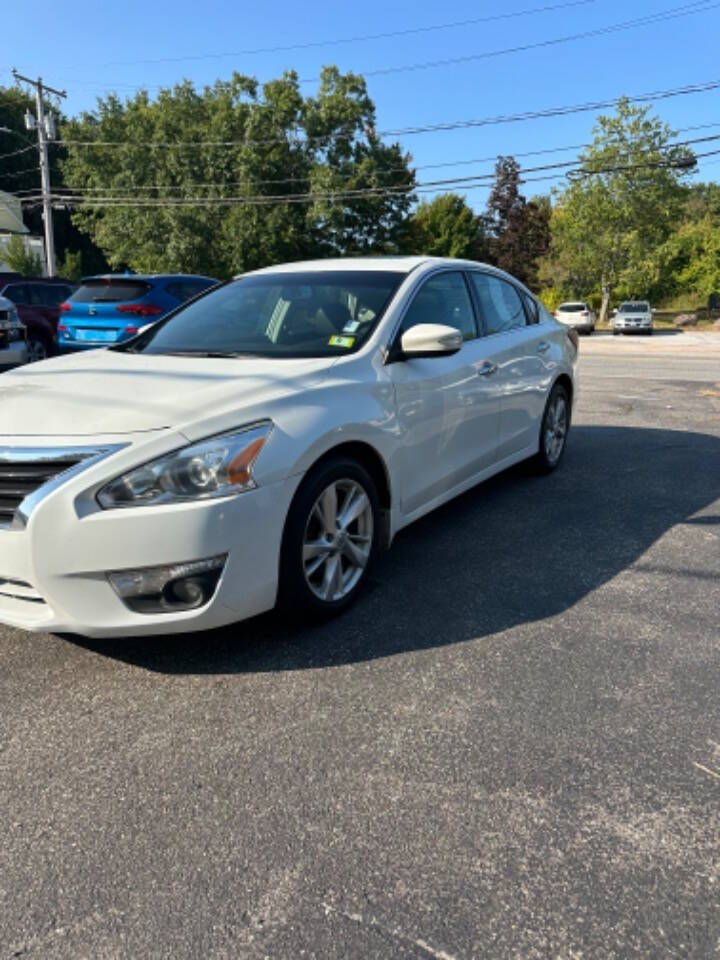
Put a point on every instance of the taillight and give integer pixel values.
(140, 309)
(584, 314)
(64, 307)
(573, 337)
(132, 329)
(62, 328)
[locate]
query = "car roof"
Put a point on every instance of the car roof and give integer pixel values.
(390, 264)
(148, 276)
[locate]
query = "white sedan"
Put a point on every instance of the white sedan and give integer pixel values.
(264, 442)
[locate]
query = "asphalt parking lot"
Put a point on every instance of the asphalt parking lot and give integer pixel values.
(509, 748)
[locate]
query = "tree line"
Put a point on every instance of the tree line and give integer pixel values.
(238, 175)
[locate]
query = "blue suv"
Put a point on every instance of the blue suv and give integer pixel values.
(112, 308)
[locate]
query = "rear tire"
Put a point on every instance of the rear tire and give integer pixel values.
(37, 350)
(554, 430)
(331, 539)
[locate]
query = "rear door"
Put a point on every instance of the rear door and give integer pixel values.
(447, 408)
(518, 346)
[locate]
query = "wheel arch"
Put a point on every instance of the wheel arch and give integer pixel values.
(367, 456)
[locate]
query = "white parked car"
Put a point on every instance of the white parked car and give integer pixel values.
(13, 345)
(633, 316)
(576, 314)
(265, 441)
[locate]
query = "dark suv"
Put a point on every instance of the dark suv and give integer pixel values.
(38, 302)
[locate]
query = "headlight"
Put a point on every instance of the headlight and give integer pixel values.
(218, 467)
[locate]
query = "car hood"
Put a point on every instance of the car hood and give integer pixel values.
(106, 392)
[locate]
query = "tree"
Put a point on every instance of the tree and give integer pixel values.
(237, 176)
(445, 227)
(690, 257)
(19, 258)
(20, 174)
(518, 230)
(622, 205)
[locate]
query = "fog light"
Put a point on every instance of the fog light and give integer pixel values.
(168, 589)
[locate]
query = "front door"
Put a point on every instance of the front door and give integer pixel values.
(447, 407)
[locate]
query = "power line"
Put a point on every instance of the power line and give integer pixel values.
(312, 44)
(333, 196)
(671, 13)
(16, 153)
(548, 112)
(285, 180)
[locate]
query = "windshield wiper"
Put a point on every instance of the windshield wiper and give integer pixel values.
(213, 354)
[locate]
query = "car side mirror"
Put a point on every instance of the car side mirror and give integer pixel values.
(430, 340)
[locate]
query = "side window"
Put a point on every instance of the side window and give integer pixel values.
(531, 309)
(499, 301)
(443, 299)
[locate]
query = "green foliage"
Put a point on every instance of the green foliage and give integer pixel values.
(518, 230)
(691, 258)
(610, 223)
(19, 258)
(445, 227)
(21, 172)
(317, 150)
(71, 267)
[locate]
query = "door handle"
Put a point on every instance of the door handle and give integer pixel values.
(486, 369)
(543, 346)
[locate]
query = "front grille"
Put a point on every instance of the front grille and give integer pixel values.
(20, 478)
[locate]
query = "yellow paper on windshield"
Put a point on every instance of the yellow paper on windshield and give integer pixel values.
(341, 341)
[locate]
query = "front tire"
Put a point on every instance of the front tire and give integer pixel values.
(553, 430)
(331, 539)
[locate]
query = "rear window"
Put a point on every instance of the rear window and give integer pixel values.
(572, 307)
(110, 291)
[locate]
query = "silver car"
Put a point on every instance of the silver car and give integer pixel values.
(13, 346)
(633, 316)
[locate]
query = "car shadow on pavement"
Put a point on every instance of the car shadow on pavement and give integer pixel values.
(516, 549)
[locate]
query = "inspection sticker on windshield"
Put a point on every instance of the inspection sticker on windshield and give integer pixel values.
(341, 341)
(351, 326)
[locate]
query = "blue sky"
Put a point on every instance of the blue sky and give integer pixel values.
(86, 47)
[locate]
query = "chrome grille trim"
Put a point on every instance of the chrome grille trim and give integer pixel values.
(53, 466)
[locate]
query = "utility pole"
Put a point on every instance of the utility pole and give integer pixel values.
(46, 131)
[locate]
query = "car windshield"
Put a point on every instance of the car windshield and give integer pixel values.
(635, 306)
(572, 307)
(313, 314)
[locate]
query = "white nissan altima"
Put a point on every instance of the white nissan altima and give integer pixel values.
(265, 441)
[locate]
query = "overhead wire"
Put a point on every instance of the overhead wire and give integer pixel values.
(314, 44)
(442, 127)
(286, 180)
(340, 194)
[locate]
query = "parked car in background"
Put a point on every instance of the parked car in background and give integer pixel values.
(38, 302)
(578, 315)
(13, 348)
(633, 316)
(264, 442)
(112, 308)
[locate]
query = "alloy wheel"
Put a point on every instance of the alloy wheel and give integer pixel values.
(556, 427)
(36, 351)
(338, 540)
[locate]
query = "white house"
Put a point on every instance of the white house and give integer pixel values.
(11, 223)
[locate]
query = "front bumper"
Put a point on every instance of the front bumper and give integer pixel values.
(14, 355)
(625, 326)
(55, 567)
